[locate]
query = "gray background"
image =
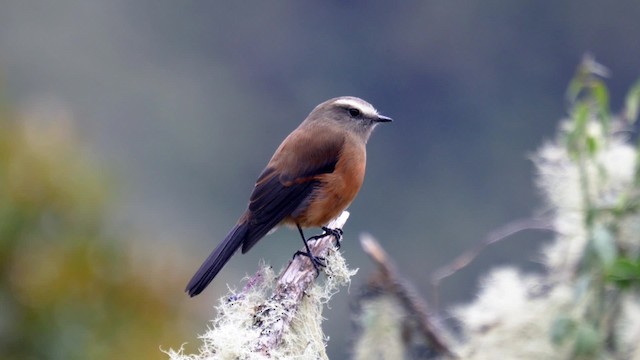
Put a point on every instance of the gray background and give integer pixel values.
(186, 101)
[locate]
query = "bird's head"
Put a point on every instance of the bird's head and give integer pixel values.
(349, 113)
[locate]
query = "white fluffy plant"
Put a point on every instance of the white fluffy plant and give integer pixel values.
(586, 305)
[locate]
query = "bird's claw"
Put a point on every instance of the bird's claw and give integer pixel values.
(336, 233)
(317, 261)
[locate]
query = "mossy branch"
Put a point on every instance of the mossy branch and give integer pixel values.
(291, 286)
(277, 318)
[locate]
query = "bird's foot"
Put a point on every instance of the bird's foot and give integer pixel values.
(336, 233)
(317, 261)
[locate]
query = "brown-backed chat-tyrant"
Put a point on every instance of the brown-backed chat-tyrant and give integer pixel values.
(313, 176)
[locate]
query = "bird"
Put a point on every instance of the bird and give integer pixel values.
(312, 177)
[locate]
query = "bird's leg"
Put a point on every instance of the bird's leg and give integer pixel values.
(336, 233)
(317, 261)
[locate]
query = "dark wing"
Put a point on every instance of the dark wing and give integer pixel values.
(283, 186)
(289, 179)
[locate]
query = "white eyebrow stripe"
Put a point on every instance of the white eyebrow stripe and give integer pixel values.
(365, 108)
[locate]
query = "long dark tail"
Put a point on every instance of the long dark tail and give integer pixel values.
(218, 258)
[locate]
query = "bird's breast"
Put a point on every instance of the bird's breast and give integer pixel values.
(336, 190)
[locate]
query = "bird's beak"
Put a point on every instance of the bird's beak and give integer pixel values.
(382, 118)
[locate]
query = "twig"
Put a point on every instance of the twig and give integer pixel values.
(275, 315)
(405, 292)
(493, 237)
(255, 281)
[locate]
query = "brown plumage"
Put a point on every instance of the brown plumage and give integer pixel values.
(312, 177)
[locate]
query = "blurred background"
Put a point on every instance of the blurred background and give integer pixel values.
(131, 134)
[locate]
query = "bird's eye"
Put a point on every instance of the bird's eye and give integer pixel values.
(353, 112)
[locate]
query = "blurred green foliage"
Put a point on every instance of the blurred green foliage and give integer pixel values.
(68, 286)
(609, 263)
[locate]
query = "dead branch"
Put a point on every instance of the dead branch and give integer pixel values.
(393, 283)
